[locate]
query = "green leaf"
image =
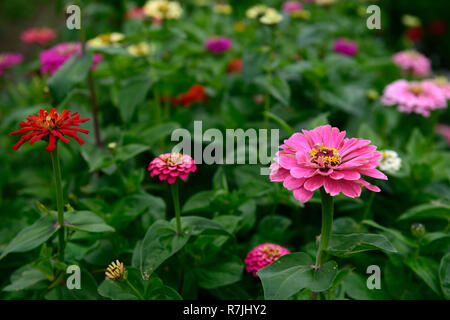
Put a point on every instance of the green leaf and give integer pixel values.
(444, 275)
(280, 122)
(24, 279)
(131, 94)
(278, 88)
(355, 286)
(96, 158)
(397, 234)
(320, 120)
(366, 132)
(133, 288)
(199, 202)
(220, 180)
(427, 211)
(86, 221)
(159, 244)
(194, 225)
(31, 237)
(345, 245)
(417, 145)
(292, 273)
(427, 270)
(129, 151)
(69, 74)
(220, 273)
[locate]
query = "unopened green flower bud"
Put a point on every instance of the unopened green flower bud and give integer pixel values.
(418, 230)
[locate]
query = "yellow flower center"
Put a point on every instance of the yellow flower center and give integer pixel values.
(271, 252)
(163, 8)
(325, 156)
(174, 159)
(415, 88)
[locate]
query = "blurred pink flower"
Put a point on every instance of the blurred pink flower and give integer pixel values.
(322, 157)
(415, 96)
(218, 44)
(443, 84)
(345, 46)
(289, 6)
(262, 256)
(169, 166)
(53, 58)
(9, 59)
(411, 60)
(444, 131)
(41, 36)
(135, 13)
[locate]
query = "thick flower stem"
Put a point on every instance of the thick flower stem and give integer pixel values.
(327, 223)
(59, 201)
(176, 205)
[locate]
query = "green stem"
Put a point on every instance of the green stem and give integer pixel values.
(368, 207)
(176, 205)
(327, 223)
(59, 200)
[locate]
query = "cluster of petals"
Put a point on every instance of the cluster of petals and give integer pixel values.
(50, 126)
(413, 61)
(40, 36)
(218, 44)
(163, 9)
(419, 97)
(9, 59)
(345, 46)
(135, 13)
(324, 157)
(290, 6)
(234, 66)
(53, 58)
(262, 256)
(196, 94)
(170, 166)
(443, 84)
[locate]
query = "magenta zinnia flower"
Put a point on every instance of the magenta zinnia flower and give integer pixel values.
(323, 157)
(415, 96)
(413, 61)
(262, 256)
(290, 6)
(169, 166)
(345, 46)
(9, 59)
(41, 36)
(53, 58)
(218, 44)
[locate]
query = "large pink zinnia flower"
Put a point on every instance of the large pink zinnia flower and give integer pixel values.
(413, 61)
(323, 157)
(218, 44)
(41, 36)
(290, 6)
(169, 166)
(9, 59)
(442, 84)
(53, 58)
(262, 256)
(345, 46)
(415, 96)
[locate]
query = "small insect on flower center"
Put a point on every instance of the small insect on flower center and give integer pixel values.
(415, 88)
(325, 156)
(271, 252)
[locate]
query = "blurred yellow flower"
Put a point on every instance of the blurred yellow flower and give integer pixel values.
(301, 14)
(163, 9)
(105, 39)
(239, 26)
(411, 21)
(141, 49)
(223, 9)
(116, 271)
(372, 94)
(271, 16)
(256, 11)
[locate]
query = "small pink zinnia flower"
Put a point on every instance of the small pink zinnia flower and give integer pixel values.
(53, 58)
(262, 256)
(413, 61)
(41, 36)
(135, 13)
(290, 6)
(345, 46)
(322, 157)
(415, 96)
(169, 166)
(218, 44)
(9, 59)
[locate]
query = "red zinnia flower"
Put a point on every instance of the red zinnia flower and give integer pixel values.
(437, 27)
(234, 65)
(49, 126)
(414, 34)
